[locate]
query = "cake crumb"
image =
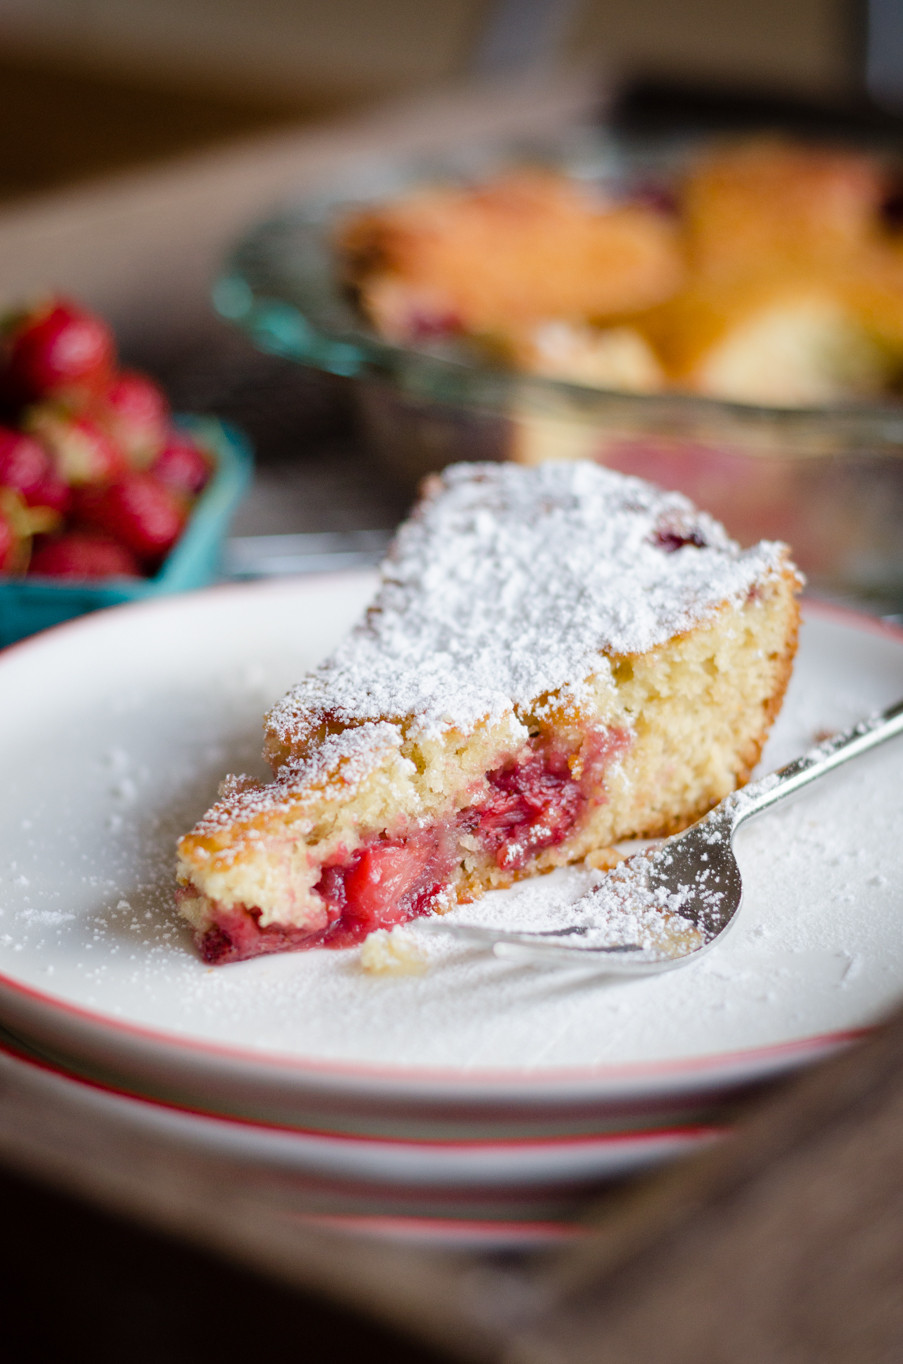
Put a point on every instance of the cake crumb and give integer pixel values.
(393, 952)
(603, 859)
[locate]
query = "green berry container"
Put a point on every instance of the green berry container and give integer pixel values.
(28, 605)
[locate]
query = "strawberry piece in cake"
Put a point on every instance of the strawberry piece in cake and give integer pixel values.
(557, 658)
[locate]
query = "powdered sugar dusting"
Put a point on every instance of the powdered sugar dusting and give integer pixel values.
(508, 583)
(626, 908)
(632, 906)
(348, 756)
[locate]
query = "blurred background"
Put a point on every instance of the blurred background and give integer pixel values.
(97, 89)
(94, 85)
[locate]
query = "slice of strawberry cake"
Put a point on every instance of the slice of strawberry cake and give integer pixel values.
(556, 658)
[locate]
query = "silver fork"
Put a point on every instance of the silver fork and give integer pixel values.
(669, 904)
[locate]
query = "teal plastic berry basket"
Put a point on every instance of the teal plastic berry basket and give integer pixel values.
(28, 605)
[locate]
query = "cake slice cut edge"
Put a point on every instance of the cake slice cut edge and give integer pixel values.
(557, 659)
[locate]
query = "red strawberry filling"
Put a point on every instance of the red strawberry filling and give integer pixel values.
(389, 882)
(425, 324)
(534, 805)
(533, 802)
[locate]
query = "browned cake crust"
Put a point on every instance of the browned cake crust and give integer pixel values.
(503, 255)
(774, 201)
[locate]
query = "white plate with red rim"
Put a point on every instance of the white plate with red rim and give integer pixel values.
(126, 721)
(363, 1168)
(102, 1135)
(370, 1189)
(458, 1233)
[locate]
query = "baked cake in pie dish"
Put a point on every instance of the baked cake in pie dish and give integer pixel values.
(556, 659)
(763, 271)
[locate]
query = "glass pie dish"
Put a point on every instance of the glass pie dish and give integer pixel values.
(827, 479)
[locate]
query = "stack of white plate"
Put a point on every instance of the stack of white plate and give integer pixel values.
(481, 1099)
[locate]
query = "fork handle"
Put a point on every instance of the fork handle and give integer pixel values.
(824, 757)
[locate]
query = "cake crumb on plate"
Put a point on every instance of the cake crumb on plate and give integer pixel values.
(393, 952)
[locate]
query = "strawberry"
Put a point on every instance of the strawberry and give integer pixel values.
(58, 350)
(26, 467)
(81, 450)
(52, 494)
(135, 414)
(182, 464)
(81, 554)
(137, 510)
(8, 542)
